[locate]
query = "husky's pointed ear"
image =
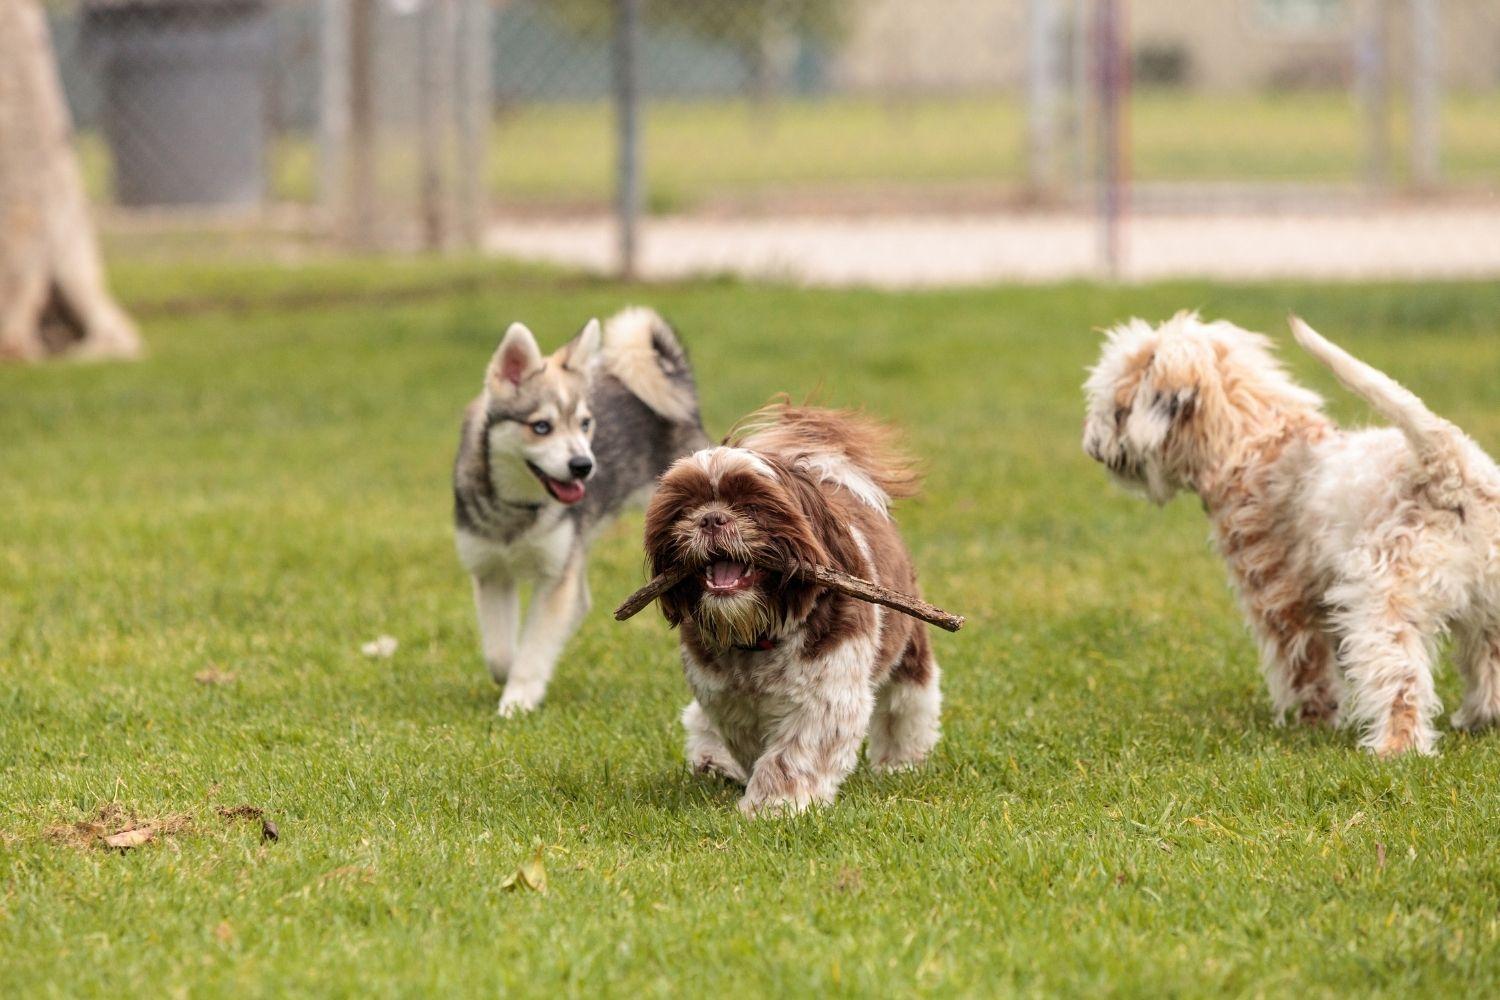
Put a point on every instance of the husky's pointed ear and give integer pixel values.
(515, 358)
(583, 348)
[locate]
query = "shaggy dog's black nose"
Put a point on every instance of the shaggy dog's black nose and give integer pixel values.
(580, 466)
(714, 520)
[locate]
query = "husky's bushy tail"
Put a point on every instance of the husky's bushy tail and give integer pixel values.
(842, 447)
(641, 350)
(1439, 445)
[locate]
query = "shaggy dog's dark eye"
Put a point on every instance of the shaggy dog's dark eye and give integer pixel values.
(585, 423)
(542, 428)
(1120, 415)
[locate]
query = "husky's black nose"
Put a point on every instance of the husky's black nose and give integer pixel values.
(580, 466)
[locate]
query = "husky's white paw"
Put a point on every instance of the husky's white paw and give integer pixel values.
(518, 699)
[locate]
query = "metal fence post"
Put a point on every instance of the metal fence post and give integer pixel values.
(1426, 95)
(1114, 92)
(627, 117)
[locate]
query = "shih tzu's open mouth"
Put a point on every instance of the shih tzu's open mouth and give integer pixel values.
(726, 577)
(566, 493)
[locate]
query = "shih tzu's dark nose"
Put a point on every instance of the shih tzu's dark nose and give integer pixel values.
(580, 466)
(713, 522)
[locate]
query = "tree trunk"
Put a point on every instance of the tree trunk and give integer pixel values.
(53, 298)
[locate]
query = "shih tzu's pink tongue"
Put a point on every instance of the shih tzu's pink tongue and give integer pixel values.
(726, 574)
(565, 492)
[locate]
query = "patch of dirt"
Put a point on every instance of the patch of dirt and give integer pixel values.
(245, 811)
(268, 829)
(114, 827)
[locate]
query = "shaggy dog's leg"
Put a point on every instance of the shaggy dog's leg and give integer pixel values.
(706, 752)
(557, 606)
(904, 727)
(498, 606)
(1478, 656)
(815, 745)
(1388, 652)
(1299, 662)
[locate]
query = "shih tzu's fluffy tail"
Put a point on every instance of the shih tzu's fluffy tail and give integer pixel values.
(1438, 444)
(841, 447)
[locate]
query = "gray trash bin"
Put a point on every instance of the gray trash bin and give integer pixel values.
(184, 97)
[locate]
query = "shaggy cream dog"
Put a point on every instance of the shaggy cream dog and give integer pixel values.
(1353, 552)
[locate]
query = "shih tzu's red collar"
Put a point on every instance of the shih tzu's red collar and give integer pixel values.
(764, 644)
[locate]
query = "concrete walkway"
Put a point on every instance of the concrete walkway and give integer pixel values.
(931, 251)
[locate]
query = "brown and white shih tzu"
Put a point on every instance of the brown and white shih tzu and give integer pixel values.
(789, 677)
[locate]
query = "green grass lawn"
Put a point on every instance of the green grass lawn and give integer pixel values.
(700, 151)
(1111, 809)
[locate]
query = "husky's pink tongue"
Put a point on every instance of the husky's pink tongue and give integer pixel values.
(568, 493)
(726, 574)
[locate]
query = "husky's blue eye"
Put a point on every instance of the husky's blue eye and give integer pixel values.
(542, 428)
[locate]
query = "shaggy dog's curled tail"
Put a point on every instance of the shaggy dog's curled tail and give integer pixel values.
(1438, 444)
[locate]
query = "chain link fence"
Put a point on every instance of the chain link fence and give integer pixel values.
(745, 129)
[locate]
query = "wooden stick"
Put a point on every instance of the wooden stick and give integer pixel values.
(864, 590)
(651, 591)
(843, 583)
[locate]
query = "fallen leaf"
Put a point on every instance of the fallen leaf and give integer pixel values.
(532, 874)
(224, 932)
(269, 831)
(214, 676)
(381, 648)
(126, 839)
(848, 879)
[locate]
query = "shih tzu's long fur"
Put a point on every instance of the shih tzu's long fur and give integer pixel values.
(1353, 551)
(789, 678)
